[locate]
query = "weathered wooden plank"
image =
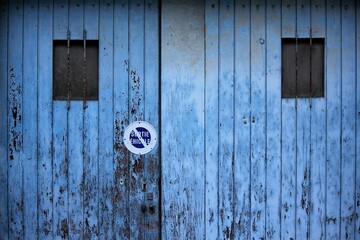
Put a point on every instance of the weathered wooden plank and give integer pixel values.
(76, 17)
(226, 119)
(60, 140)
(91, 169)
(258, 120)
(242, 163)
(333, 118)
(303, 118)
(136, 113)
(91, 18)
(121, 114)
(75, 133)
(45, 190)
(30, 128)
(211, 120)
(182, 125)
(61, 19)
(348, 121)
(60, 170)
(151, 111)
(318, 138)
(273, 119)
(106, 148)
(15, 120)
(4, 214)
(90, 138)
(357, 191)
(75, 177)
(288, 138)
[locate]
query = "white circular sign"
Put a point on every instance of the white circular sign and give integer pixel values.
(140, 137)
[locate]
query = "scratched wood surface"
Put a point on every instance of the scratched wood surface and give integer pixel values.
(234, 159)
(65, 171)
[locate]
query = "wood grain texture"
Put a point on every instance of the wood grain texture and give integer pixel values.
(303, 130)
(15, 120)
(29, 155)
(288, 138)
(4, 214)
(318, 139)
(152, 224)
(226, 119)
(136, 113)
(273, 120)
(90, 138)
(235, 160)
(121, 118)
(211, 120)
(242, 123)
(258, 120)
(45, 121)
(357, 157)
(348, 122)
(333, 120)
(106, 119)
(182, 125)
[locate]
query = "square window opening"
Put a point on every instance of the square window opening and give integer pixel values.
(302, 69)
(69, 70)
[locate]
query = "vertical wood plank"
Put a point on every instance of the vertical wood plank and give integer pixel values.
(61, 19)
(91, 162)
(288, 137)
(60, 139)
(348, 111)
(91, 18)
(318, 137)
(60, 170)
(4, 214)
(75, 134)
(242, 164)
(273, 119)
(258, 120)
(152, 107)
(91, 138)
(302, 131)
(76, 17)
(136, 110)
(357, 164)
(211, 119)
(45, 186)
(106, 185)
(182, 125)
(121, 114)
(333, 119)
(29, 157)
(75, 177)
(226, 118)
(15, 120)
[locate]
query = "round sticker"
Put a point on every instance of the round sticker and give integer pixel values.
(140, 137)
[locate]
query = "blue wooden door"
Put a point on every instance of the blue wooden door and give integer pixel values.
(65, 172)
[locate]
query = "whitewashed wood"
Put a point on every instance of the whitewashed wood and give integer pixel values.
(288, 138)
(242, 163)
(333, 119)
(211, 204)
(273, 120)
(318, 141)
(348, 121)
(182, 121)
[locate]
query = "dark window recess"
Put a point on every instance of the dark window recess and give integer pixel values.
(76, 66)
(302, 67)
